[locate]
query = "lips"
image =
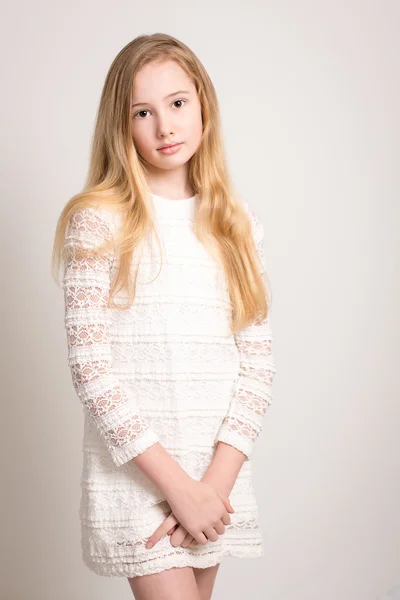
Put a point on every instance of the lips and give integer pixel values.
(169, 150)
(169, 146)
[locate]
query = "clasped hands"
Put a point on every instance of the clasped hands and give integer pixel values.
(200, 508)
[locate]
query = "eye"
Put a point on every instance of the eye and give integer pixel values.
(139, 112)
(145, 111)
(179, 100)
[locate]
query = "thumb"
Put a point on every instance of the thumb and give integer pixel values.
(227, 503)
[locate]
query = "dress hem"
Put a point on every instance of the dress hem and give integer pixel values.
(199, 561)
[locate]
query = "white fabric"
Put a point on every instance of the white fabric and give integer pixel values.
(166, 370)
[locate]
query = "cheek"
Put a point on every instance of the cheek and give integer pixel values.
(196, 121)
(195, 126)
(139, 137)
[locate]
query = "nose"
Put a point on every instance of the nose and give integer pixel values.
(164, 127)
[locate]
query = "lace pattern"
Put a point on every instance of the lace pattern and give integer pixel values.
(169, 370)
(252, 394)
(86, 284)
(120, 509)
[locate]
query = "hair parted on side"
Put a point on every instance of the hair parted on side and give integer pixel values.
(117, 182)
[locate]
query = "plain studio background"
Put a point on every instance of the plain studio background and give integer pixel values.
(309, 94)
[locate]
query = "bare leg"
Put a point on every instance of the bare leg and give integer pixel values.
(177, 583)
(205, 579)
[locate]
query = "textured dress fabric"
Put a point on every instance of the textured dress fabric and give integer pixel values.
(169, 370)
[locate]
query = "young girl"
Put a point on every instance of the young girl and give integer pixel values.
(167, 321)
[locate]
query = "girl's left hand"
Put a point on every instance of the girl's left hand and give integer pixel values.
(171, 526)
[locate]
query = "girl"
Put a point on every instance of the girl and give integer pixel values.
(169, 341)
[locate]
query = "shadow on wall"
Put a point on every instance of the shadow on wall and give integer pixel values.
(393, 594)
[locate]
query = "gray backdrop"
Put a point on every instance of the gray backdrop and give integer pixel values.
(309, 94)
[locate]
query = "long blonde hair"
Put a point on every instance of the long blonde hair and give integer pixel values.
(117, 180)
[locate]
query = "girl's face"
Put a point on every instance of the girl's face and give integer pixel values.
(167, 111)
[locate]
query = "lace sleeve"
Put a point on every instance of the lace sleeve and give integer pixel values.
(86, 285)
(251, 395)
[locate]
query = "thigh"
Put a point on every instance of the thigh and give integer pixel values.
(177, 583)
(205, 579)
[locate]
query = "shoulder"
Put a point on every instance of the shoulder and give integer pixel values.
(256, 224)
(92, 221)
(250, 212)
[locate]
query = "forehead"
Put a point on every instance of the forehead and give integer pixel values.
(157, 80)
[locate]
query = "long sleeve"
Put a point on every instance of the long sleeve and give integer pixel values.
(86, 284)
(251, 395)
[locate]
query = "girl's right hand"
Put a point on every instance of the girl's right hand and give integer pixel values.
(200, 508)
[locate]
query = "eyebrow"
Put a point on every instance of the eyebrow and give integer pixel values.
(169, 95)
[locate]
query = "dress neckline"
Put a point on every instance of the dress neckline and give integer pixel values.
(166, 207)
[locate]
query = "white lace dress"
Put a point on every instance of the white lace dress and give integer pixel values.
(166, 370)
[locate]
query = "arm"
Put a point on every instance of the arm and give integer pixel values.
(252, 394)
(163, 470)
(224, 467)
(86, 283)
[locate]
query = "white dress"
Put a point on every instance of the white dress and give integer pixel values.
(166, 370)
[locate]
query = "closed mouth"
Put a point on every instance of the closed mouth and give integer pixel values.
(169, 146)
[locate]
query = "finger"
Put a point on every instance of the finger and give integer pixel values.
(211, 534)
(226, 502)
(226, 519)
(178, 536)
(201, 538)
(219, 527)
(188, 540)
(161, 530)
(172, 529)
